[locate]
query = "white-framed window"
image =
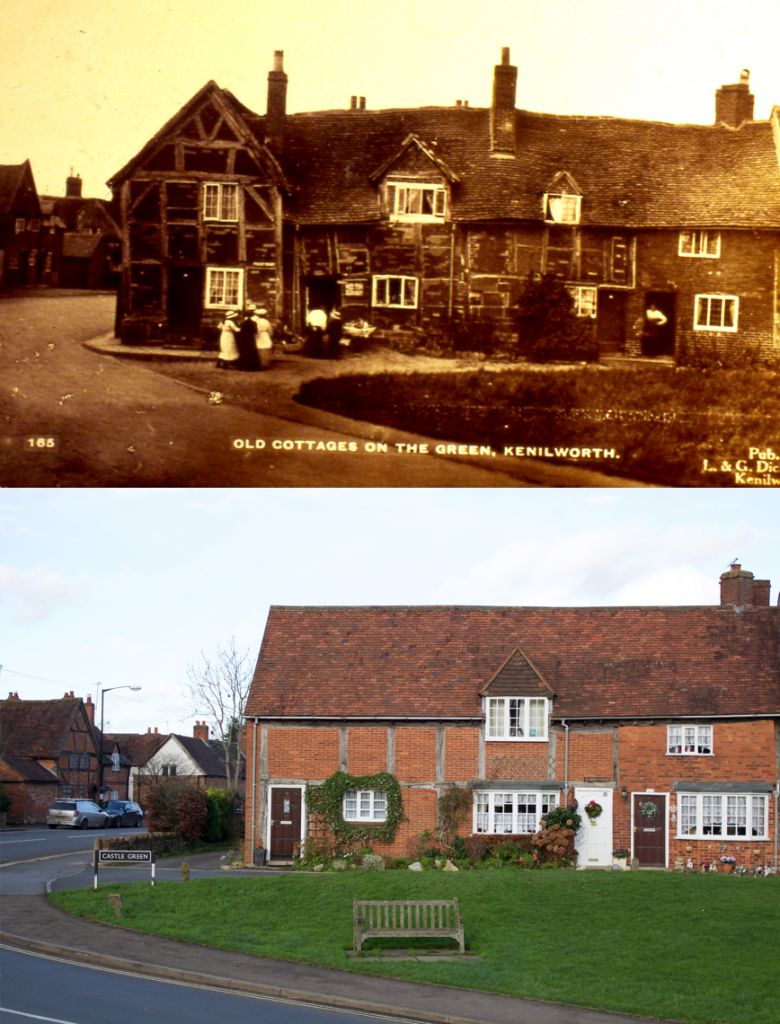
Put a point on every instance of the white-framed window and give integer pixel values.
(365, 805)
(689, 739)
(114, 794)
(511, 813)
(396, 292)
(33, 224)
(699, 243)
(220, 202)
(562, 208)
(224, 287)
(585, 300)
(716, 313)
(19, 223)
(517, 718)
(115, 762)
(737, 816)
(416, 201)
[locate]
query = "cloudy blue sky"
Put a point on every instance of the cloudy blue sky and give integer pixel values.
(128, 586)
(86, 83)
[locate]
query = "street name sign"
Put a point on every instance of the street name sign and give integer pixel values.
(119, 858)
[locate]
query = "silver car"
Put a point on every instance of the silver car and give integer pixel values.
(76, 814)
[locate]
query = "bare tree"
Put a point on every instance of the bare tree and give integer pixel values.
(218, 689)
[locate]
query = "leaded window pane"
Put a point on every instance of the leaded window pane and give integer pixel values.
(502, 812)
(688, 815)
(516, 714)
(536, 708)
(675, 740)
(496, 726)
(211, 202)
(704, 745)
(350, 803)
(380, 805)
(527, 814)
(759, 816)
(229, 202)
(712, 816)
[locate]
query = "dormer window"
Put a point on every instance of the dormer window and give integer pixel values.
(416, 201)
(516, 718)
(562, 208)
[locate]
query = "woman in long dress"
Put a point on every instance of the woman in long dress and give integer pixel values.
(264, 337)
(228, 346)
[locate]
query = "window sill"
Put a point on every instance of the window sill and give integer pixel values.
(515, 739)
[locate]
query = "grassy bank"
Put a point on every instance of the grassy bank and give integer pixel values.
(663, 421)
(698, 948)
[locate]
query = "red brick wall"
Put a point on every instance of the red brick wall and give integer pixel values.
(31, 801)
(521, 760)
(742, 752)
(303, 753)
(415, 754)
(590, 755)
(461, 754)
(366, 751)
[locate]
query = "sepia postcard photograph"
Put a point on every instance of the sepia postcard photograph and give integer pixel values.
(524, 244)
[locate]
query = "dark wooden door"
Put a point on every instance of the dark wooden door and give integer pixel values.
(611, 321)
(185, 298)
(650, 829)
(285, 822)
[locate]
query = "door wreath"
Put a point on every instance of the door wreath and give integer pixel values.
(593, 810)
(648, 809)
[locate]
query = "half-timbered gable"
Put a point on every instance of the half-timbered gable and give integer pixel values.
(201, 214)
(667, 717)
(20, 226)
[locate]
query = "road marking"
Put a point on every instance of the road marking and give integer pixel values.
(34, 1016)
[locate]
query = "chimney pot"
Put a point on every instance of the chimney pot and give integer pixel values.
(353, 102)
(73, 186)
(734, 103)
(739, 588)
(278, 60)
(504, 54)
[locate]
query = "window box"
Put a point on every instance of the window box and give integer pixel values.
(416, 201)
(364, 805)
(395, 292)
(224, 288)
(721, 816)
(716, 313)
(511, 813)
(699, 243)
(562, 208)
(689, 739)
(585, 300)
(220, 202)
(517, 718)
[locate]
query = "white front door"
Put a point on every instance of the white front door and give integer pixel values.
(593, 842)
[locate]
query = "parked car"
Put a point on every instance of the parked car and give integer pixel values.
(76, 814)
(123, 812)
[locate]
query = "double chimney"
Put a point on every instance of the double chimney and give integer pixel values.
(738, 588)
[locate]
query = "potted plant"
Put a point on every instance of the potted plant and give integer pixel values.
(593, 810)
(728, 864)
(620, 859)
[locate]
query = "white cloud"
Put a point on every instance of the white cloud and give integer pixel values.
(39, 592)
(115, 647)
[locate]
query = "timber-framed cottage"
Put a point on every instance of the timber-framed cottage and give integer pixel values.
(415, 217)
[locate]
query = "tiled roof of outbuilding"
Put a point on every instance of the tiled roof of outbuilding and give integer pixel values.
(138, 747)
(30, 770)
(412, 662)
(631, 173)
(37, 728)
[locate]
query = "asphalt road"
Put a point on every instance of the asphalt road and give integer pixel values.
(49, 988)
(76, 417)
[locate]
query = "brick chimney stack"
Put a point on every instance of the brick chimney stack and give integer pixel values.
(738, 588)
(276, 108)
(201, 731)
(89, 707)
(502, 111)
(73, 186)
(734, 103)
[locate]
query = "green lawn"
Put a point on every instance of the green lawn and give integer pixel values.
(669, 426)
(699, 948)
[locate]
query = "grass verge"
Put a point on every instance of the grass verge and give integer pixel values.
(663, 421)
(694, 948)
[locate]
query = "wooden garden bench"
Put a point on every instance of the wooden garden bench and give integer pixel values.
(396, 919)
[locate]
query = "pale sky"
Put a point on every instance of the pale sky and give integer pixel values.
(86, 83)
(128, 586)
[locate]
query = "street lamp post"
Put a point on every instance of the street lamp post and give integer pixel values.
(103, 693)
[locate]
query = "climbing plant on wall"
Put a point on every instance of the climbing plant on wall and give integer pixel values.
(327, 801)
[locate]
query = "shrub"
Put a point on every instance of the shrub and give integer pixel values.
(5, 801)
(320, 850)
(220, 806)
(548, 327)
(192, 816)
(475, 848)
(563, 816)
(422, 846)
(401, 862)
(552, 842)
(508, 851)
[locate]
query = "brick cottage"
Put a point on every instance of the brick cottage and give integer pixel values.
(418, 217)
(668, 717)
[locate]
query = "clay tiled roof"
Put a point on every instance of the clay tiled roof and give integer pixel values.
(37, 728)
(631, 173)
(413, 662)
(138, 747)
(80, 245)
(30, 770)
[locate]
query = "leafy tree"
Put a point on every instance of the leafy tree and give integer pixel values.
(218, 689)
(548, 326)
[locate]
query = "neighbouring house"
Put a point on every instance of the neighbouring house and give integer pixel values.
(156, 757)
(48, 749)
(409, 218)
(20, 226)
(667, 717)
(80, 243)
